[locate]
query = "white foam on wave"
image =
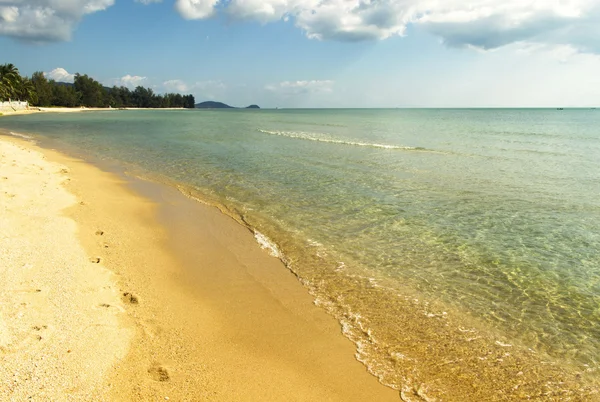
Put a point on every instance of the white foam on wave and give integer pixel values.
(314, 137)
(25, 136)
(314, 243)
(504, 345)
(266, 244)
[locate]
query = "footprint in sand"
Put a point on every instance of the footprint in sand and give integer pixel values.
(39, 330)
(159, 373)
(24, 338)
(130, 298)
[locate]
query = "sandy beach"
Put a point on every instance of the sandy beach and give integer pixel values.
(33, 110)
(58, 302)
(122, 289)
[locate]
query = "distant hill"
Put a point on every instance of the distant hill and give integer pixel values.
(220, 105)
(213, 105)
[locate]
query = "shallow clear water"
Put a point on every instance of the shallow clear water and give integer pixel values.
(468, 230)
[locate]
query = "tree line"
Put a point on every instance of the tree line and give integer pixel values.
(85, 91)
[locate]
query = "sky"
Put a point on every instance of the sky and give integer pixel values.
(319, 53)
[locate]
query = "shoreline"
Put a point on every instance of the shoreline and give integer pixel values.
(497, 366)
(35, 109)
(223, 322)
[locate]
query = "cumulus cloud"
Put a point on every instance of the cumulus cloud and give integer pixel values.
(484, 24)
(176, 86)
(45, 20)
(196, 9)
(513, 21)
(301, 87)
(130, 81)
(345, 20)
(60, 74)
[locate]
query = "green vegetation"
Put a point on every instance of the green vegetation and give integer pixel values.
(85, 91)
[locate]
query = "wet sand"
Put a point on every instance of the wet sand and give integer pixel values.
(206, 314)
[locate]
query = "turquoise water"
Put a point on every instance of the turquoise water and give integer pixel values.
(458, 248)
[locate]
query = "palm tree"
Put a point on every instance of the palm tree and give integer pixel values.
(26, 91)
(10, 79)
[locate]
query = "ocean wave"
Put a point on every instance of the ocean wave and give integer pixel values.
(27, 137)
(313, 137)
(266, 244)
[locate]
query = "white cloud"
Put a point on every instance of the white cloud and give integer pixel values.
(60, 74)
(496, 24)
(9, 14)
(484, 24)
(334, 19)
(175, 86)
(45, 20)
(130, 81)
(290, 88)
(196, 9)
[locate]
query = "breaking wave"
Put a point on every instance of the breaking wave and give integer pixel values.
(266, 244)
(314, 137)
(24, 136)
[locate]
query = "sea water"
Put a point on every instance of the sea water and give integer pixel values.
(459, 249)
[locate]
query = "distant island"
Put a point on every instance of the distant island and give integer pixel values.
(220, 105)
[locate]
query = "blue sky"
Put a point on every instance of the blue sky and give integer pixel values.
(319, 53)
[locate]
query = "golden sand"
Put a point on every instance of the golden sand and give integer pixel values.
(147, 295)
(60, 331)
(32, 110)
